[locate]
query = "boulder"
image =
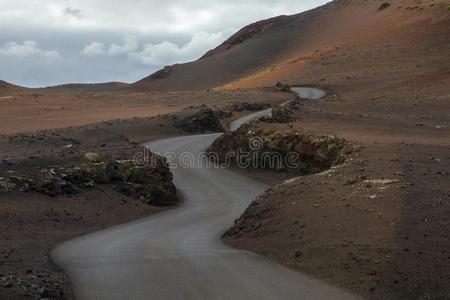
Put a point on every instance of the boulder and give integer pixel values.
(290, 151)
(151, 183)
(283, 87)
(202, 120)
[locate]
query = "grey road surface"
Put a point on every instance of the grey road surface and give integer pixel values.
(308, 92)
(239, 122)
(178, 254)
(302, 92)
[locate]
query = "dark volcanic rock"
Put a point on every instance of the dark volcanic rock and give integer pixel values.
(202, 120)
(151, 183)
(244, 34)
(284, 113)
(162, 74)
(283, 87)
(242, 106)
(294, 152)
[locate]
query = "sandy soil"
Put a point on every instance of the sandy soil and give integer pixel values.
(23, 112)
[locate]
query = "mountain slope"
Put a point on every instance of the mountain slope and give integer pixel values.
(8, 88)
(338, 41)
(342, 40)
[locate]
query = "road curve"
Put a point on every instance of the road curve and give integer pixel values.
(302, 92)
(309, 93)
(178, 254)
(259, 114)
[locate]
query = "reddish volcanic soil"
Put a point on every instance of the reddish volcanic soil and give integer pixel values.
(31, 224)
(30, 110)
(377, 225)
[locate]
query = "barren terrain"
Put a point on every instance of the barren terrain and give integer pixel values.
(32, 224)
(31, 111)
(376, 225)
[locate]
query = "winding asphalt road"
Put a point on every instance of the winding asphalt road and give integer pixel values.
(178, 254)
(309, 93)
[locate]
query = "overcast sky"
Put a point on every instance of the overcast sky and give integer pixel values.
(48, 42)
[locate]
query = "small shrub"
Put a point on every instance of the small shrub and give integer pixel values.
(384, 5)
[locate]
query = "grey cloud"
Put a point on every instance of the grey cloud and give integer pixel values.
(74, 12)
(129, 44)
(127, 40)
(94, 48)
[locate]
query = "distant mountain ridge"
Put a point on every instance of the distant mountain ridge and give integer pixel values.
(342, 40)
(245, 34)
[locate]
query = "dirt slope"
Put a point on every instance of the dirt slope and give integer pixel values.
(343, 40)
(7, 88)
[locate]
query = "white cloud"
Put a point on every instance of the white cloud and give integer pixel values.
(159, 54)
(158, 33)
(168, 52)
(94, 48)
(27, 49)
(129, 44)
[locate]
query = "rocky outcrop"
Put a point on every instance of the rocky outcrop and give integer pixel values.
(293, 152)
(284, 113)
(162, 74)
(150, 182)
(245, 34)
(227, 111)
(249, 106)
(199, 120)
(286, 88)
